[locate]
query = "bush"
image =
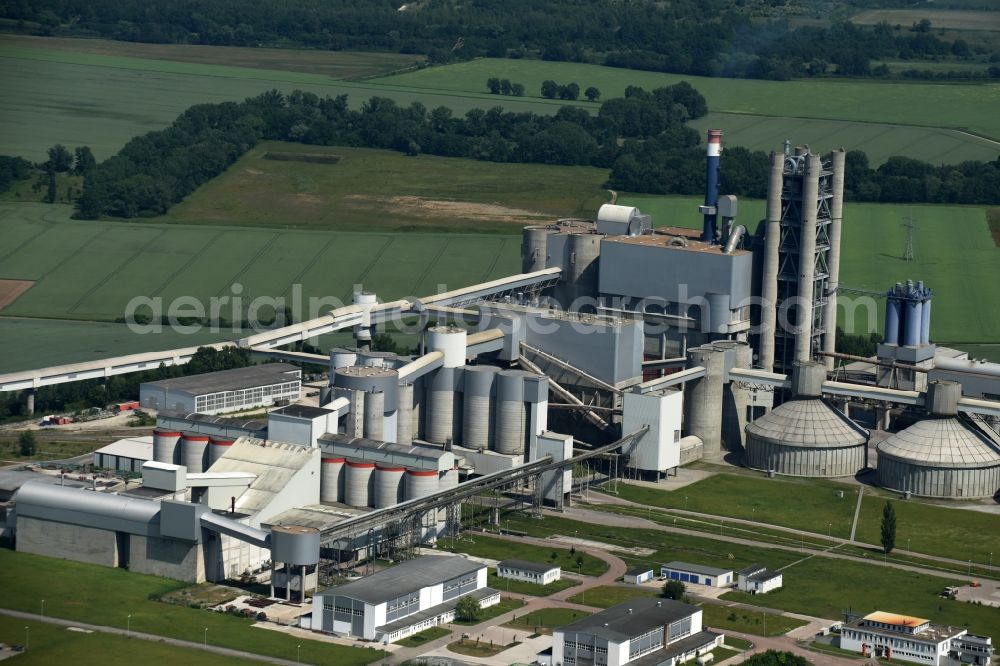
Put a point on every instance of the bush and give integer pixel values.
(674, 589)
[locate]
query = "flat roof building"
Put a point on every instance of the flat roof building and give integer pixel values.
(402, 600)
(529, 572)
(697, 574)
(642, 631)
(125, 455)
(758, 579)
(639, 575)
(914, 639)
(224, 391)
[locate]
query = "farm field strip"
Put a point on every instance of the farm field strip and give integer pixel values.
(941, 19)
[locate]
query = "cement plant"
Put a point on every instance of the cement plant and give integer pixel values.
(351, 503)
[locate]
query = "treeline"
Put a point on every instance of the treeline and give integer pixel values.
(156, 170)
(13, 169)
(77, 396)
(704, 37)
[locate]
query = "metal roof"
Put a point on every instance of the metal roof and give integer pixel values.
(12, 479)
(638, 571)
(812, 422)
(943, 442)
(895, 619)
(632, 618)
(139, 448)
(302, 411)
(697, 568)
(274, 463)
(372, 450)
(229, 380)
(320, 516)
(76, 506)
(250, 425)
(525, 565)
(763, 576)
(404, 578)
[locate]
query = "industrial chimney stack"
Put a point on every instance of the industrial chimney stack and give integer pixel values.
(709, 210)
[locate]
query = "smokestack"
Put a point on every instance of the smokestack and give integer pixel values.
(807, 259)
(713, 150)
(772, 238)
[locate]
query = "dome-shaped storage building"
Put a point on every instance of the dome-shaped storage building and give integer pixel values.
(806, 436)
(944, 455)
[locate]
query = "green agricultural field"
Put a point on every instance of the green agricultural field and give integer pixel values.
(965, 106)
(811, 505)
(941, 19)
(953, 249)
(52, 644)
(481, 545)
(99, 595)
(544, 620)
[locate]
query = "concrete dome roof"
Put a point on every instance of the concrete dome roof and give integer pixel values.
(942, 442)
(811, 423)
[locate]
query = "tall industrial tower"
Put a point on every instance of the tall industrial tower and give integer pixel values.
(802, 258)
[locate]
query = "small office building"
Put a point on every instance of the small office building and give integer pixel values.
(402, 600)
(914, 639)
(758, 579)
(225, 391)
(529, 572)
(697, 574)
(642, 631)
(639, 575)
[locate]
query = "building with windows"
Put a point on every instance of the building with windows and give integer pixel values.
(697, 574)
(914, 639)
(642, 631)
(402, 600)
(529, 572)
(639, 575)
(125, 455)
(225, 391)
(758, 579)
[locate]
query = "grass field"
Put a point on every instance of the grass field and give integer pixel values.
(51, 644)
(534, 589)
(952, 246)
(481, 545)
(99, 595)
(810, 505)
(744, 621)
(607, 596)
(425, 636)
(941, 19)
(47, 450)
(544, 620)
(506, 605)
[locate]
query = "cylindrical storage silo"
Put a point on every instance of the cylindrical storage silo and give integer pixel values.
(534, 252)
(217, 447)
(376, 359)
(478, 422)
(359, 483)
(580, 268)
(925, 323)
(331, 480)
(417, 416)
(404, 415)
(388, 486)
(195, 452)
(166, 446)
(703, 399)
(440, 395)
(343, 358)
(893, 312)
(511, 416)
(449, 340)
(912, 322)
(735, 397)
(421, 483)
(448, 479)
(374, 415)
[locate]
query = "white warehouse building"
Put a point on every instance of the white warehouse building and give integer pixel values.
(758, 579)
(224, 391)
(529, 572)
(402, 600)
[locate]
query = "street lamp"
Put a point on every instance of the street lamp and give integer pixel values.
(970, 567)
(206, 638)
(753, 514)
(297, 648)
(685, 502)
(907, 543)
(26, 636)
(829, 530)
(128, 626)
(43, 608)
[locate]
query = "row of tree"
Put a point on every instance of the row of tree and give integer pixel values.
(642, 34)
(504, 87)
(13, 169)
(569, 91)
(76, 396)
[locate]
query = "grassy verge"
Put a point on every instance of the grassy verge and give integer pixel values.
(505, 606)
(425, 636)
(607, 596)
(543, 621)
(534, 589)
(476, 648)
(52, 644)
(98, 595)
(482, 545)
(738, 643)
(721, 654)
(46, 450)
(745, 621)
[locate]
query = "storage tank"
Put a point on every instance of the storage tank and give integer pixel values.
(478, 423)
(374, 415)
(580, 268)
(511, 416)
(944, 456)
(404, 415)
(388, 486)
(167, 446)
(449, 340)
(421, 483)
(912, 322)
(217, 447)
(807, 435)
(331, 480)
(343, 358)
(441, 404)
(893, 313)
(359, 483)
(703, 399)
(534, 250)
(195, 452)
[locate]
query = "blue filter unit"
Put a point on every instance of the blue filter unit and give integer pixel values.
(925, 323)
(912, 322)
(892, 315)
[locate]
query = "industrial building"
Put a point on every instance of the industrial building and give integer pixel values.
(915, 640)
(402, 600)
(758, 579)
(125, 455)
(233, 390)
(528, 572)
(643, 631)
(639, 575)
(697, 574)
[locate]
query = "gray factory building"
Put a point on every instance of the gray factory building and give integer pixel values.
(224, 391)
(945, 455)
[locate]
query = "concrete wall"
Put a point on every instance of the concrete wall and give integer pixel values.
(166, 557)
(68, 542)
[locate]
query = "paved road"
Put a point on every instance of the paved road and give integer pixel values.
(221, 651)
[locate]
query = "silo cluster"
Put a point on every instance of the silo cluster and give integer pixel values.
(908, 314)
(944, 455)
(806, 436)
(195, 451)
